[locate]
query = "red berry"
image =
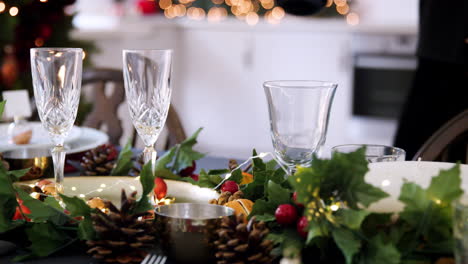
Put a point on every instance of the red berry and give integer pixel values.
(286, 214)
(295, 200)
(302, 226)
(160, 188)
(194, 176)
(189, 170)
(230, 186)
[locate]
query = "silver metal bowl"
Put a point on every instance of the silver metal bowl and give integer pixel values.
(186, 229)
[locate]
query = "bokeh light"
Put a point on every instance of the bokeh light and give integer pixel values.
(251, 18)
(39, 42)
(14, 11)
(352, 19)
(342, 10)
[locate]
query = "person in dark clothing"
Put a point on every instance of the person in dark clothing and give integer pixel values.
(440, 86)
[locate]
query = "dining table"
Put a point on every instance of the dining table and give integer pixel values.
(8, 251)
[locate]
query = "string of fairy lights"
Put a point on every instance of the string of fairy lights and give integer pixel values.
(250, 11)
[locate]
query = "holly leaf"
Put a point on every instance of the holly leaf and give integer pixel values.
(124, 162)
(52, 202)
(351, 218)
(180, 156)
(315, 230)
(42, 212)
(256, 189)
(348, 243)
(17, 174)
(380, 252)
(414, 197)
(257, 163)
(289, 241)
(86, 230)
(341, 177)
(265, 218)
(262, 207)
(236, 175)
(271, 165)
(446, 187)
(206, 180)
(76, 206)
(163, 161)
(373, 223)
(45, 239)
(277, 194)
(147, 182)
(428, 211)
(185, 154)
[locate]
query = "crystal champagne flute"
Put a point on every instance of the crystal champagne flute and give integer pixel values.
(299, 112)
(147, 75)
(56, 75)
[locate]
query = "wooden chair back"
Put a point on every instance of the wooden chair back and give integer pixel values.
(449, 143)
(105, 107)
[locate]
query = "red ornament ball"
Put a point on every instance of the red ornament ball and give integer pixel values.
(286, 214)
(302, 227)
(147, 7)
(230, 186)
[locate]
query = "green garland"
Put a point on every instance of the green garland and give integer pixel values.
(333, 192)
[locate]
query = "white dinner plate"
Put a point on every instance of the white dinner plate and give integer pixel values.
(40, 138)
(89, 139)
(110, 187)
(390, 176)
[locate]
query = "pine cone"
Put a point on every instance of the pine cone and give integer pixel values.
(239, 241)
(123, 237)
(226, 197)
(99, 161)
(232, 165)
(6, 165)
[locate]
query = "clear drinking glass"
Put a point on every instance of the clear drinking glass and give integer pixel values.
(460, 230)
(299, 112)
(147, 75)
(56, 75)
(374, 153)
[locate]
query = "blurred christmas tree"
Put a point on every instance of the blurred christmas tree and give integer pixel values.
(28, 24)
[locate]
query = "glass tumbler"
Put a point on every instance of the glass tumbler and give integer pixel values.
(299, 113)
(374, 153)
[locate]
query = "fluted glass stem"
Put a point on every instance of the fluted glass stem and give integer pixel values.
(58, 158)
(149, 154)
